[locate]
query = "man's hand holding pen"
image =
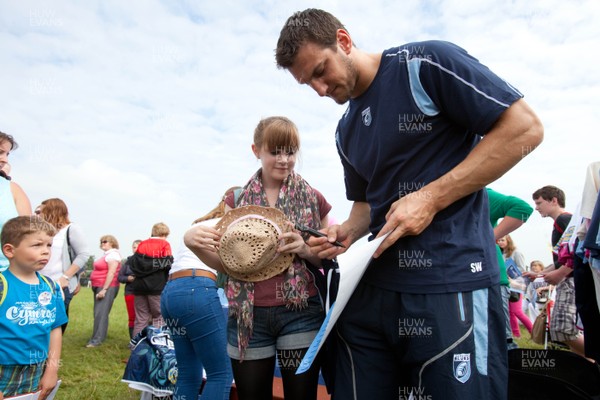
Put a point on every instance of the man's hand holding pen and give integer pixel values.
(316, 233)
(329, 243)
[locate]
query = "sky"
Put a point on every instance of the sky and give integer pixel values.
(140, 112)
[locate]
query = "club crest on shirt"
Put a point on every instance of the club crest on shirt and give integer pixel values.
(366, 116)
(461, 364)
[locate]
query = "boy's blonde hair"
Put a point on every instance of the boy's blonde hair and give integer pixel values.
(15, 229)
(160, 230)
(536, 263)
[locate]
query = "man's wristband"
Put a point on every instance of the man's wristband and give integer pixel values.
(66, 277)
(105, 289)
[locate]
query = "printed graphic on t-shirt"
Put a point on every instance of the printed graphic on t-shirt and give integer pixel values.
(32, 312)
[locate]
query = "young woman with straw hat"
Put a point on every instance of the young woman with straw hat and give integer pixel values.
(275, 311)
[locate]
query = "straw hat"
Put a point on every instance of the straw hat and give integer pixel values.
(249, 242)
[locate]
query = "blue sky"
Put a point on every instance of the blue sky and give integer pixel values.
(143, 111)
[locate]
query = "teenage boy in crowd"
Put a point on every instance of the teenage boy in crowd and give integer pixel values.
(550, 201)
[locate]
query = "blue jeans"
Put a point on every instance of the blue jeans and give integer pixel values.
(191, 309)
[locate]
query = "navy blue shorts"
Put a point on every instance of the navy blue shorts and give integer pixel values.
(432, 346)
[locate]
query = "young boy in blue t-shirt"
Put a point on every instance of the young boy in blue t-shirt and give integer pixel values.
(31, 310)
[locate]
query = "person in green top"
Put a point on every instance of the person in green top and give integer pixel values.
(513, 212)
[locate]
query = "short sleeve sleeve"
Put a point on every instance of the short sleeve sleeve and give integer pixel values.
(324, 206)
(461, 87)
(113, 256)
(356, 186)
(229, 200)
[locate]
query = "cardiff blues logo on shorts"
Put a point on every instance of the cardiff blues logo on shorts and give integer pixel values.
(462, 367)
(366, 116)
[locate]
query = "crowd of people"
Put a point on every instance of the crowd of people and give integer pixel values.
(423, 186)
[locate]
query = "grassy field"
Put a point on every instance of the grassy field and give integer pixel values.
(525, 341)
(94, 373)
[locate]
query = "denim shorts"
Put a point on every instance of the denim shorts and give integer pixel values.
(277, 328)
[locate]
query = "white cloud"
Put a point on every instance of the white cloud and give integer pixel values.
(137, 112)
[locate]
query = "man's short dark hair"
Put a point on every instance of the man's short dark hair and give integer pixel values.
(311, 25)
(548, 193)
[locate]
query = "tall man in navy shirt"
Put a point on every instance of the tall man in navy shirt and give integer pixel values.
(427, 127)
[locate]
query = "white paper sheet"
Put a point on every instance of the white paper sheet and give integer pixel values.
(353, 265)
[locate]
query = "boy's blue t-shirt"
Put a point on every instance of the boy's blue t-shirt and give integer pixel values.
(428, 106)
(27, 316)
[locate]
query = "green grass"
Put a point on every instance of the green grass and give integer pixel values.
(525, 341)
(94, 373)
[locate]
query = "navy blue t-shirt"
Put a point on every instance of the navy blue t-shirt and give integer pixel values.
(427, 107)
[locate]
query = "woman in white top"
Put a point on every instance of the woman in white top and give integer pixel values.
(69, 249)
(105, 285)
(191, 308)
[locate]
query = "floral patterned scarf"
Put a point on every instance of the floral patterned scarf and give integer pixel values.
(298, 201)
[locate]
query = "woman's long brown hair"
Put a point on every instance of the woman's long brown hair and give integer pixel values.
(55, 211)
